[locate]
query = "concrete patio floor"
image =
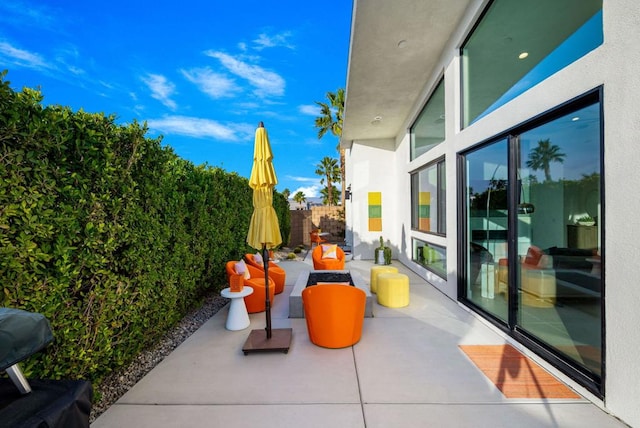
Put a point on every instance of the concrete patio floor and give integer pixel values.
(406, 371)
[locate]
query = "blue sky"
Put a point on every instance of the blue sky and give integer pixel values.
(201, 73)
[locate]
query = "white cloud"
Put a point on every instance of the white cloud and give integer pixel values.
(309, 109)
(22, 58)
(302, 179)
(309, 191)
(202, 128)
(161, 89)
(271, 41)
(266, 83)
(215, 85)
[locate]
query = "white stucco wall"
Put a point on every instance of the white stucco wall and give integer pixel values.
(616, 66)
(371, 170)
(619, 65)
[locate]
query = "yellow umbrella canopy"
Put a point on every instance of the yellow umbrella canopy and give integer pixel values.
(264, 230)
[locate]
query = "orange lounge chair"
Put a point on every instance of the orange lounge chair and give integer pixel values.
(334, 314)
(276, 273)
(316, 238)
(255, 302)
(326, 263)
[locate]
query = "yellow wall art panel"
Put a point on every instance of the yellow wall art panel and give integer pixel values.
(375, 211)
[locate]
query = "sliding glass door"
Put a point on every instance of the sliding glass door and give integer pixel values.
(533, 253)
(487, 214)
(559, 242)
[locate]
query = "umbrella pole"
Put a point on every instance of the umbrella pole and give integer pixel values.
(277, 340)
(267, 303)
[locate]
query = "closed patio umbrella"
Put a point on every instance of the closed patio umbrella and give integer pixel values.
(264, 234)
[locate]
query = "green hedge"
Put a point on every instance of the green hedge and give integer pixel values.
(107, 233)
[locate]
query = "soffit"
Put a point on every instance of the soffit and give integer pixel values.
(385, 81)
(386, 75)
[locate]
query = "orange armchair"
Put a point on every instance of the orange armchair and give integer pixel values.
(334, 314)
(276, 273)
(316, 238)
(320, 263)
(255, 302)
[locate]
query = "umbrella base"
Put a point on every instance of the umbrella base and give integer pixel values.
(257, 341)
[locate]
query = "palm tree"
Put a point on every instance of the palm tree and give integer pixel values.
(325, 197)
(329, 170)
(286, 193)
(299, 197)
(331, 120)
(540, 158)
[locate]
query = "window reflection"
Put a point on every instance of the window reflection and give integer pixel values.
(518, 44)
(554, 201)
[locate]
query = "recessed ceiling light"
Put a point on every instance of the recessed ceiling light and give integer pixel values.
(402, 44)
(575, 119)
(523, 55)
(376, 120)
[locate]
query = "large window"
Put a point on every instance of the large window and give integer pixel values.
(428, 207)
(428, 130)
(534, 234)
(518, 44)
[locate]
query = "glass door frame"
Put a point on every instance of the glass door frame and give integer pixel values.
(591, 381)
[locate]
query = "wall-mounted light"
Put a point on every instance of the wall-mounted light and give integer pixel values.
(347, 193)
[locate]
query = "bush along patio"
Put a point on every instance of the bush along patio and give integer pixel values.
(108, 233)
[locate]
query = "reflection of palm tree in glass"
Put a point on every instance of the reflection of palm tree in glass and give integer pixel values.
(541, 157)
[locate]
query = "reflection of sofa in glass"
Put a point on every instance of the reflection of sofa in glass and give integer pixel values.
(537, 278)
(571, 258)
(553, 273)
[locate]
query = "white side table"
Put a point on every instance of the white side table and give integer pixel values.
(238, 318)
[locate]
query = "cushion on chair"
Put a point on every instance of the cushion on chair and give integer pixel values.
(258, 258)
(533, 256)
(241, 269)
(329, 251)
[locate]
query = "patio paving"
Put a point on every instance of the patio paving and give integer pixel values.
(407, 370)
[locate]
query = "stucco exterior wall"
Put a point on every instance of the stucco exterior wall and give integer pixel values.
(619, 66)
(616, 67)
(372, 170)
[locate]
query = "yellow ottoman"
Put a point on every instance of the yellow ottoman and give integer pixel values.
(393, 290)
(377, 270)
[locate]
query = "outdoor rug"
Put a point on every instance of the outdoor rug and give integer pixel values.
(516, 375)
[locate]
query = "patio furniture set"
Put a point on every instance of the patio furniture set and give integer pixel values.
(334, 309)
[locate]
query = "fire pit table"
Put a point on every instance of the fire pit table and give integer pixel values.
(318, 277)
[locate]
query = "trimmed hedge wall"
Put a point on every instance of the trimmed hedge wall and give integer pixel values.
(107, 233)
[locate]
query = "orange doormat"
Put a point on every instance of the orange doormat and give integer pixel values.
(514, 374)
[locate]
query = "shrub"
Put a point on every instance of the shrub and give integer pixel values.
(107, 233)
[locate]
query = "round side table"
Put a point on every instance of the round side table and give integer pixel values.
(238, 318)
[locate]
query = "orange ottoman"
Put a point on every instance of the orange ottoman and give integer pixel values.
(377, 270)
(393, 290)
